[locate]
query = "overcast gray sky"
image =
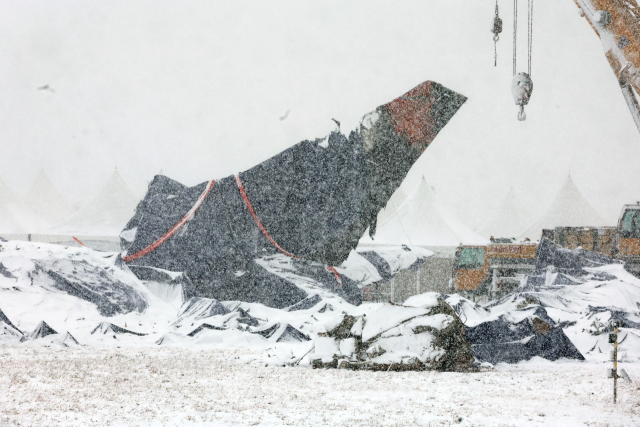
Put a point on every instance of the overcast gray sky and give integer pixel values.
(198, 88)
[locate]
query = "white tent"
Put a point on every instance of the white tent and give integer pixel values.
(423, 220)
(15, 216)
(396, 200)
(46, 201)
(569, 209)
(105, 215)
(510, 221)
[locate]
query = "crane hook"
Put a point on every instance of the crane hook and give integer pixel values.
(522, 116)
(521, 88)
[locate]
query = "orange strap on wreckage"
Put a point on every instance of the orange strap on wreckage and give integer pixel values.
(175, 228)
(266, 233)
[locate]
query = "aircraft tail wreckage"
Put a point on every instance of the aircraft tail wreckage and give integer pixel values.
(312, 202)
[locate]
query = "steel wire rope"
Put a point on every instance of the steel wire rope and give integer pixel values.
(530, 32)
(515, 33)
(496, 37)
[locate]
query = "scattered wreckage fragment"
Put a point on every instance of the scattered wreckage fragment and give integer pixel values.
(397, 338)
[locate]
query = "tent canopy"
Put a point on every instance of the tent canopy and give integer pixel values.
(16, 216)
(396, 200)
(510, 221)
(569, 208)
(104, 215)
(423, 220)
(47, 202)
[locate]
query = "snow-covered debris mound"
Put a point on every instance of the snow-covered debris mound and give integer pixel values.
(559, 266)
(468, 311)
(199, 308)
(367, 265)
(207, 322)
(75, 271)
(8, 332)
(54, 340)
(279, 332)
(506, 335)
(106, 328)
(215, 316)
(306, 303)
(45, 336)
(586, 292)
(564, 310)
(42, 330)
(396, 337)
(74, 289)
(363, 267)
(510, 340)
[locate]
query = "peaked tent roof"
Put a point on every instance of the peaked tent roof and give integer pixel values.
(569, 208)
(104, 215)
(15, 216)
(510, 221)
(423, 220)
(396, 200)
(46, 201)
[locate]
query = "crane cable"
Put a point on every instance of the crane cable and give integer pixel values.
(530, 31)
(515, 33)
(522, 85)
(529, 34)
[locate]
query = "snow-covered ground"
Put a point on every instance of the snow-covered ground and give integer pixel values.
(162, 386)
(128, 352)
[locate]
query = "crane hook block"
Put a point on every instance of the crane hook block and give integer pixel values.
(497, 26)
(521, 87)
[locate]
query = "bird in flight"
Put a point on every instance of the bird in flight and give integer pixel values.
(46, 87)
(285, 115)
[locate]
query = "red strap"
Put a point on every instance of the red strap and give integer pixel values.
(175, 228)
(255, 218)
(74, 238)
(335, 273)
(264, 230)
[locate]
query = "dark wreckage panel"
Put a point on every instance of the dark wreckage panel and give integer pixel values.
(312, 202)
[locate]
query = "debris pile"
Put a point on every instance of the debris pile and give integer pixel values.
(398, 338)
(559, 266)
(563, 310)
(9, 334)
(79, 272)
(511, 340)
